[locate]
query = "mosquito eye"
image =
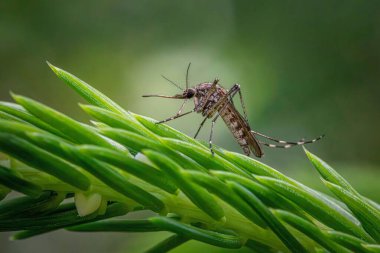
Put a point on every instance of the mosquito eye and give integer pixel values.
(190, 93)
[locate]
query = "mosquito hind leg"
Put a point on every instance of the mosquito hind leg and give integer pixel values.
(242, 104)
(200, 127)
(287, 144)
(277, 146)
(232, 92)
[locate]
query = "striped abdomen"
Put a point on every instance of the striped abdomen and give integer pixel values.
(240, 129)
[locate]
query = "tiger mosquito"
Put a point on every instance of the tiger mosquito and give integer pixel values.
(214, 101)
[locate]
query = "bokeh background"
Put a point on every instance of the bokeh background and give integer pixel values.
(305, 68)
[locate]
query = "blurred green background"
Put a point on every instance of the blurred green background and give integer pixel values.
(305, 68)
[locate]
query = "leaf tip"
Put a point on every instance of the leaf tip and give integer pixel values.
(84, 107)
(305, 150)
(309, 155)
(54, 68)
(16, 97)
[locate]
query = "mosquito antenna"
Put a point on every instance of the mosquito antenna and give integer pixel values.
(170, 81)
(187, 76)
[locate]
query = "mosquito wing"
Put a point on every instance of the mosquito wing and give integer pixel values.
(241, 130)
(254, 145)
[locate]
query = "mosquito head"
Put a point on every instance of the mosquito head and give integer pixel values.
(189, 93)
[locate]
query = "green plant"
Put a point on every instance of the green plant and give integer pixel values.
(126, 162)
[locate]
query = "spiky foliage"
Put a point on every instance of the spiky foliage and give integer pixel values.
(125, 162)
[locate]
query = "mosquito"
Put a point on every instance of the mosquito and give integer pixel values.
(214, 101)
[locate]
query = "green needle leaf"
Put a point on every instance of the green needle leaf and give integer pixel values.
(20, 113)
(258, 247)
(328, 173)
(203, 156)
(17, 128)
(115, 120)
(320, 208)
(10, 179)
(372, 248)
(9, 117)
(250, 165)
(366, 213)
(196, 194)
(210, 237)
(168, 244)
(138, 143)
(164, 130)
(310, 230)
(29, 206)
(224, 192)
(4, 191)
(268, 196)
(117, 226)
(71, 128)
(43, 160)
(92, 95)
(132, 166)
(348, 241)
(286, 237)
(44, 224)
(116, 181)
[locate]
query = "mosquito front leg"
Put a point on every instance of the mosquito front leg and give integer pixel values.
(174, 117)
(182, 106)
(211, 133)
(200, 126)
(177, 115)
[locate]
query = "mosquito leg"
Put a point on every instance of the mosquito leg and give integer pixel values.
(211, 133)
(200, 126)
(287, 143)
(236, 88)
(174, 117)
(182, 106)
(276, 146)
(231, 100)
(243, 105)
